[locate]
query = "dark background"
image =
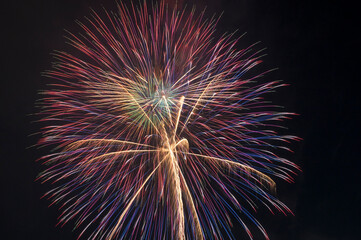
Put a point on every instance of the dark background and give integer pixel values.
(313, 43)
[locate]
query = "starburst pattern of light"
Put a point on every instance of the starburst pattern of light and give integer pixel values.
(160, 131)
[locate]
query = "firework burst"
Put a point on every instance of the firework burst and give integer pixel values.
(158, 128)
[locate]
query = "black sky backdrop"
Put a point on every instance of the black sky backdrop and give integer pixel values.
(313, 43)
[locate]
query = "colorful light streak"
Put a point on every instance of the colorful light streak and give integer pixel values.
(160, 132)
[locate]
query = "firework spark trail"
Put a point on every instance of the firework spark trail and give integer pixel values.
(159, 131)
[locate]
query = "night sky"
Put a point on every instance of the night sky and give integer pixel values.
(313, 44)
